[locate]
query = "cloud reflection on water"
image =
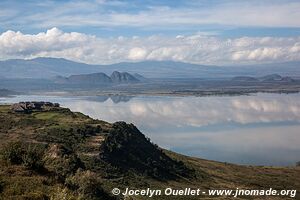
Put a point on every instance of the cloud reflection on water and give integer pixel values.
(196, 112)
(261, 129)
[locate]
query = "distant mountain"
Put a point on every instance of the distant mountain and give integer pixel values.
(90, 78)
(271, 77)
(98, 78)
(140, 77)
(276, 77)
(244, 78)
(43, 68)
(267, 78)
(51, 67)
(118, 77)
(5, 93)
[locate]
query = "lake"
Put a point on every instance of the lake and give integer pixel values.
(260, 129)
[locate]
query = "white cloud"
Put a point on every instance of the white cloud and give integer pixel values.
(194, 48)
(149, 15)
(137, 53)
(181, 112)
(237, 14)
(16, 43)
(259, 54)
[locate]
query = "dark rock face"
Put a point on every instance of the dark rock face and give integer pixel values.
(26, 107)
(123, 77)
(128, 149)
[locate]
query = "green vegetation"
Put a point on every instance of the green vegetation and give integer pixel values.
(58, 154)
(127, 148)
(29, 155)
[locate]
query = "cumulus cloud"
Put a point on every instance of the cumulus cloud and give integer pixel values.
(52, 40)
(137, 53)
(196, 48)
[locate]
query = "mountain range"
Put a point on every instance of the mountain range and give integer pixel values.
(101, 78)
(5, 93)
(50, 67)
(267, 78)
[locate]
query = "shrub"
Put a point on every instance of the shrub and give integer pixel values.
(88, 185)
(12, 152)
(64, 166)
(62, 194)
(31, 156)
(298, 164)
(1, 186)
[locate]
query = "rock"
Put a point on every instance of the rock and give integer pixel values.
(29, 106)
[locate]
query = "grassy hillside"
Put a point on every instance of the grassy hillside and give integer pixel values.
(58, 154)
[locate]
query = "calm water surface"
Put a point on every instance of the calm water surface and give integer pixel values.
(261, 129)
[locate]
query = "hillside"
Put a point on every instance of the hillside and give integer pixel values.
(52, 153)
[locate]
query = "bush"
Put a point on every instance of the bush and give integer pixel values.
(62, 194)
(298, 164)
(12, 152)
(88, 185)
(1, 186)
(31, 156)
(64, 166)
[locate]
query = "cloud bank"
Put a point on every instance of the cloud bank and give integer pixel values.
(197, 48)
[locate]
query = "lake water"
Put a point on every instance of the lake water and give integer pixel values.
(261, 129)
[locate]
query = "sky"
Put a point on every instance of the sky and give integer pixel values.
(216, 32)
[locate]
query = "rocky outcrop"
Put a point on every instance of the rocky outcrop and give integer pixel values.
(29, 106)
(100, 79)
(123, 77)
(125, 147)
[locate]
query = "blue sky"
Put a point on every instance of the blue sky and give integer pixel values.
(220, 21)
(135, 17)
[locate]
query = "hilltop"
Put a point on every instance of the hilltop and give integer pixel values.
(54, 153)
